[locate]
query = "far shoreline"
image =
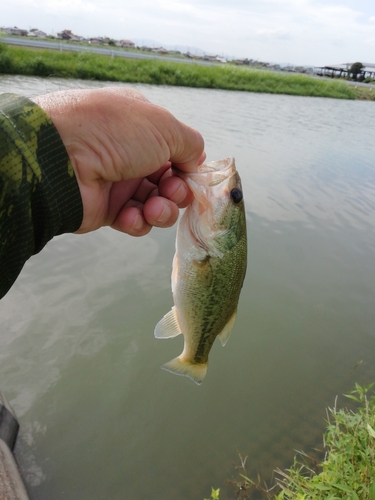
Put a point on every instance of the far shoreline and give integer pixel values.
(15, 60)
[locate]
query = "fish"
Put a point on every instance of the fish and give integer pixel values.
(209, 266)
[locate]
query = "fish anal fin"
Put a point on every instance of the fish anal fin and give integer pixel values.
(227, 330)
(178, 366)
(168, 326)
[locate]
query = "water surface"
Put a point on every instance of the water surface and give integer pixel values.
(78, 359)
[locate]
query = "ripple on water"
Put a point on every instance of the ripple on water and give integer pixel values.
(77, 350)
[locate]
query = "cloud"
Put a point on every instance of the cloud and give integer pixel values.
(274, 34)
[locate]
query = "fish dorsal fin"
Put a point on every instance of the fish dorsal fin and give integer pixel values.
(227, 330)
(168, 326)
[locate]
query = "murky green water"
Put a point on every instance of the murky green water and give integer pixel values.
(78, 359)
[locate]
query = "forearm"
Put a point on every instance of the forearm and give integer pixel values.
(39, 195)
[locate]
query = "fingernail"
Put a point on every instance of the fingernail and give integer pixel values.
(138, 223)
(165, 215)
(180, 194)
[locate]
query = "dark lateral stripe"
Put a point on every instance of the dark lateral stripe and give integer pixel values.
(8, 427)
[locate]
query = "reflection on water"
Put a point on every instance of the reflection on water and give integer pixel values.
(78, 359)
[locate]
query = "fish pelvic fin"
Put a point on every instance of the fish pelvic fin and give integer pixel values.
(168, 326)
(227, 330)
(178, 366)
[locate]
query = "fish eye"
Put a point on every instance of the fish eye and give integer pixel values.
(236, 195)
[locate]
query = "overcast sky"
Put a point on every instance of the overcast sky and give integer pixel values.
(316, 32)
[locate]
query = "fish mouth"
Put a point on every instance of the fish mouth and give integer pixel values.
(209, 167)
(214, 175)
(216, 166)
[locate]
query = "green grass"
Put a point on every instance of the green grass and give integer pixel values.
(83, 65)
(364, 93)
(346, 473)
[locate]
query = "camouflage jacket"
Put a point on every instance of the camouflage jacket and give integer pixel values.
(39, 194)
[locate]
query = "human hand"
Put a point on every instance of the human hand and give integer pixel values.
(122, 147)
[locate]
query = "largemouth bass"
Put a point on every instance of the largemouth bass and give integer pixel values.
(209, 267)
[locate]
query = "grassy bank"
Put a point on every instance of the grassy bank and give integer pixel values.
(83, 65)
(348, 469)
(364, 93)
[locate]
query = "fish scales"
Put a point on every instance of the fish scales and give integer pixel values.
(208, 268)
(212, 294)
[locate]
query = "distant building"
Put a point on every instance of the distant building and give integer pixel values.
(37, 33)
(343, 70)
(64, 35)
(207, 57)
(242, 61)
(68, 35)
(16, 31)
(97, 41)
(160, 50)
(128, 44)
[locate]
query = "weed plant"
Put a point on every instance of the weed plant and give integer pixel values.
(85, 65)
(347, 471)
(365, 93)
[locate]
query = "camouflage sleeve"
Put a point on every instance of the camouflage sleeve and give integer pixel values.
(39, 194)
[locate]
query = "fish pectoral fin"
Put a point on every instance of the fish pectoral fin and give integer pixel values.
(227, 330)
(178, 366)
(168, 326)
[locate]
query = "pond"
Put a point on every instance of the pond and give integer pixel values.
(78, 359)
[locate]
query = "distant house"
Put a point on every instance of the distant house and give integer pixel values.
(97, 41)
(64, 35)
(160, 50)
(68, 35)
(206, 57)
(16, 31)
(242, 61)
(128, 44)
(37, 33)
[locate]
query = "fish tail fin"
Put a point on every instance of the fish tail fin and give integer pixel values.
(195, 371)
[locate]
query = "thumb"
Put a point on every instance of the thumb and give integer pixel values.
(186, 148)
